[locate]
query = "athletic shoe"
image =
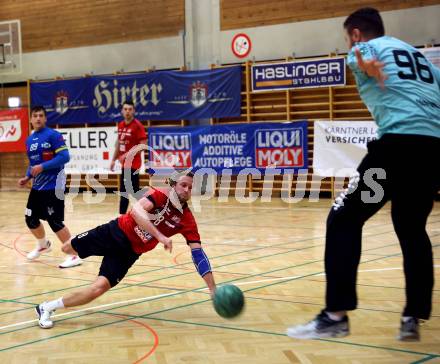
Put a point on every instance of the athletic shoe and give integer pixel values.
(71, 261)
(409, 330)
(34, 254)
(44, 316)
(321, 327)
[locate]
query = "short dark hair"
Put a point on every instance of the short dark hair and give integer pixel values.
(38, 108)
(128, 102)
(367, 20)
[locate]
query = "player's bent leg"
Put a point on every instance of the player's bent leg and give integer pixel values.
(87, 294)
(342, 254)
(410, 226)
(77, 298)
(344, 242)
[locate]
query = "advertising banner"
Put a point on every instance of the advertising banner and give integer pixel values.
(298, 74)
(90, 149)
(234, 147)
(14, 129)
(339, 146)
(161, 95)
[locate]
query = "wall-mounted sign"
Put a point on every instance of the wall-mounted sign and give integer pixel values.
(241, 45)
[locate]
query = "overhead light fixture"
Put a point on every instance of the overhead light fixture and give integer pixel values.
(13, 101)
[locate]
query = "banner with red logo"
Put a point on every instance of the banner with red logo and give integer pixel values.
(91, 150)
(233, 147)
(14, 129)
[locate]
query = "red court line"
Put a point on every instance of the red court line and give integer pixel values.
(155, 335)
(176, 262)
(149, 328)
(155, 345)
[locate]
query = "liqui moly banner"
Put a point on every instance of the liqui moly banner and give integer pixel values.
(298, 74)
(234, 147)
(339, 146)
(161, 95)
(14, 129)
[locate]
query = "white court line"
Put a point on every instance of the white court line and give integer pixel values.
(170, 294)
(91, 308)
(265, 208)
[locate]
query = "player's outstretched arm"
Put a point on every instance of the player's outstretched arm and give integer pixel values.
(201, 262)
(372, 67)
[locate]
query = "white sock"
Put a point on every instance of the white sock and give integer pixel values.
(406, 318)
(55, 304)
(42, 242)
(333, 316)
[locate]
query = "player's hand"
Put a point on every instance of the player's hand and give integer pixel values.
(121, 159)
(372, 68)
(167, 243)
(112, 165)
(22, 181)
(36, 170)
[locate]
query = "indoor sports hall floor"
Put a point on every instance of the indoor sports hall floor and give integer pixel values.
(160, 313)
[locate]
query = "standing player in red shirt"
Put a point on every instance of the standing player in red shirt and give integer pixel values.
(131, 132)
(157, 216)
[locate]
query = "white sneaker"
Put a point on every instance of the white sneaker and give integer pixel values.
(44, 316)
(71, 261)
(34, 254)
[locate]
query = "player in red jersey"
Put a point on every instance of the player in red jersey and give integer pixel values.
(131, 133)
(157, 216)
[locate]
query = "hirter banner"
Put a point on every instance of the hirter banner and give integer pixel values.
(161, 95)
(14, 129)
(233, 147)
(323, 72)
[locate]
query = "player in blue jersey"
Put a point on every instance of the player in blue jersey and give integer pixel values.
(402, 91)
(47, 153)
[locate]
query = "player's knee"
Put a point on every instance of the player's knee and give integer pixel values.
(32, 222)
(100, 287)
(55, 224)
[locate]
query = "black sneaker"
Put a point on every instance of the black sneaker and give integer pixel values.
(321, 327)
(409, 330)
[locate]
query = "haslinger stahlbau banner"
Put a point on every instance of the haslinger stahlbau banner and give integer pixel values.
(324, 72)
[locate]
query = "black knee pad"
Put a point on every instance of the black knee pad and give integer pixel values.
(32, 222)
(55, 224)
